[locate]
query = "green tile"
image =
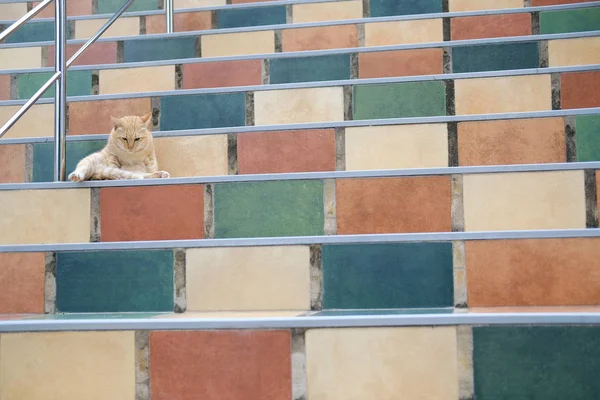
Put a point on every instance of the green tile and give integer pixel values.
(398, 275)
(241, 17)
(80, 316)
(382, 8)
(587, 137)
(33, 32)
(112, 6)
(397, 100)
(159, 49)
(406, 311)
(79, 83)
(309, 69)
(114, 281)
(202, 111)
(43, 157)
(266, 209)
(495, 57)
(536, 363)
(586, 19)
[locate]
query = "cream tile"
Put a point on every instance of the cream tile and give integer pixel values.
(192, 155)
(234, 314)
(13, 10)
(521, 201)
(231, 44)
(24, 57)
(299, 105)
(145, 79)
(382, 363)
(404, 32)
(45, 216)
(471, 5)
(85, 29)
(579, 51)
(327, 11)
(397, 146)
(503, 94)
(68, 366)
(198, 3)
(38, 121)
(249, 278)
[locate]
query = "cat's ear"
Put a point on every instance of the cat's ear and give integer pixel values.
(116, 122)
(147, 120)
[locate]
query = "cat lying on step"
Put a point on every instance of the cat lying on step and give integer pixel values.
(129, 154)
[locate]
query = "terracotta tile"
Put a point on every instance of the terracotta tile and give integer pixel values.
(580, 90)
(319, 38)
(200, 155)
(152, 213)
(472, 5)
(393, 205)
(5, 87)
(74, 7)
(13, 163)
(330, 11)
(383, 64)
(98, 53)
(38, 121)
(86, 28)
(286, 151)
(404, 32)
(579, 51)
(22, 278)
(535, 3)
(233, 44)
(190, 21)
(222, 74)
(220, 365)
(525, 141)
(488, 26)
(544, 272)
(93, 117)
(24, 57)
(143, 79)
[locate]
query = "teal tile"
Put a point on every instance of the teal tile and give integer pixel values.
(202, 111)
(586, 19)
(114, 281)
(79, 83)
(536, 363)
(398, 275)
(383, 8)
(80, 316)
(267, 209)
(33, 32)
(310, 69)
(159, 49)
(411, 311)
(587, 137)
(397, 100)
(241, 17)
(112, 6)
(43, 157)
(495, 57)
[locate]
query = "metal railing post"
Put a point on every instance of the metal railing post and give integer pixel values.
(169, 15)
(60, 87)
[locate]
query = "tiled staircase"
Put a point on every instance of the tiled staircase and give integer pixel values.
(374, 200)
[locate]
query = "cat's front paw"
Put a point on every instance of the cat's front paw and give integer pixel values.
(159, 174)
(76, 177)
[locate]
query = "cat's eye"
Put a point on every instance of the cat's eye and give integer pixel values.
(124, 138)
(138, 139)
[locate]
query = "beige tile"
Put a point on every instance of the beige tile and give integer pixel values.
(521, 201)
(404, 32)
(45, 216)
(68, 366)
(38, 121)
(13, 10)
(85, 29)
(382, 363)
(198, 3)
(234, 314)
(503, 94)
(192, 155)
(471, 5)
(231, 44)
(299, 105)
(24, 57)
(397, 146)
(580, 51)
(248, 278)
(327, 11)
(145, 79)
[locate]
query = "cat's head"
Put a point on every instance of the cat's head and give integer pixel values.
(131, 133)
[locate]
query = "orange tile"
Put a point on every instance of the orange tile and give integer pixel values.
(4, 87)
(219, 365)
(74, 7)
(526, 141)
(400, 63)
(98, 53)
(286, 151)
(540, 272)
(222, 74)
(22, 278)
(190, 21)
(13, 163)
(319, 38)
(488, 26)
(394, 205)
(93, 117)
(170, 212)
(580, 90)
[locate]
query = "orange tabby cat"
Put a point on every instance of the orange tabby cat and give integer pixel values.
(129, 154)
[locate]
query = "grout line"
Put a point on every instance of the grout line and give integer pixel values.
(289, 14)
(360, 35)
(142, 365)
(366, 5)
(14, 87)
(28, 162)
(155, 104)
(340, 149)
(453, 155)
(143, 28)
(543, 54)
(459, 274)
(466, 384)
(214, 19)
(120, 52)
(50, 283)
(249, 104)
(278, 46)
(457, 212)
(348, 102)
(178, 77)
(316, 277)
(298, 361)
(209, 211)
(265, 71)
(198, 47)
(354, 66)
(591, 198)
(556, 96)
(571, 138)
(232, 154)
(179, 280)
(95, 228)
(329, 207)
(95, 82)
(450, 97)
(535, 23)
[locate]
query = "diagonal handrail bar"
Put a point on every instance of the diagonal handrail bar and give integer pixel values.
(17, 24)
